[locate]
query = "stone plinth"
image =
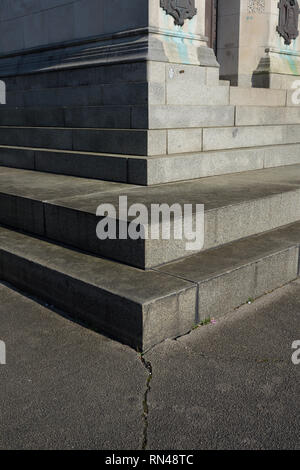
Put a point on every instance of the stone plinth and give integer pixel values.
(92, 32)
(250, 49)
(279, 66)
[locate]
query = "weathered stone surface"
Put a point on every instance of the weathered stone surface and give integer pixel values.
(104, 167)
(136, 307)
(162, 117)
(265, 116)
(112, 117)
(152, 170)
(184, 140)
(228, 276)
(186, 93)
(143, 308)
(253, 136)
(116, 141)
(17, 158)
(257, 97)
(180, 167)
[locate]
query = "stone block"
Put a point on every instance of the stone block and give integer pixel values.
(186, 93)
(184, 140)
(257, 97)
(254, 136)
(266, 115)
(172, 117)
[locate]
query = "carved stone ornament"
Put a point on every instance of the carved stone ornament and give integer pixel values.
(256, 6)
(288, 20)
(181, 10)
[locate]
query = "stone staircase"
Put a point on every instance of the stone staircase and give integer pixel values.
(158, 134)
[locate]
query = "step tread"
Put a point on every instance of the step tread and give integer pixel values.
(201, 267)
(214, 191)
(41, 186)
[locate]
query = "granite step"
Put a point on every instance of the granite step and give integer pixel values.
(250, 136)
(150, 142)
(111, 117)
(63, 209)
(143, 308)
(141, 170)
(117, 116)
(139, 93)
(116, 141)
(159, 116)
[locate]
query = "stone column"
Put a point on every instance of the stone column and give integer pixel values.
(243, 28)
(279, 66)
(251, 51)
(181, 43)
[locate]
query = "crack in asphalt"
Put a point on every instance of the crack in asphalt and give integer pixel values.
(148, 367)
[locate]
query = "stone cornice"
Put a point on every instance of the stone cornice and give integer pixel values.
(107, 37)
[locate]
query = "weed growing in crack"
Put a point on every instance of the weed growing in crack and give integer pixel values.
(148, 367)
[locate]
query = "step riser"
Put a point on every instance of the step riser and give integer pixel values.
(127, 117)
(112, 74)
(88, 140)
(195, 94)
(108, 168)
(188, 167)
(150, 171)
(111, 117)
(78, 228)
(123, 142)
(135, 117)
(182, 117)
(123, 94)
(253, 136)
(118, 94)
